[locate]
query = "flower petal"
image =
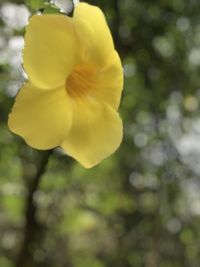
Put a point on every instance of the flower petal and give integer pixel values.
(93, 32)
(50, 51)
(95, 134)
(110, 82)
(42, 118)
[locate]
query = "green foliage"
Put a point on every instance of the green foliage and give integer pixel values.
(51, 9)
(140, 207)
(42, 5)
(36, 4)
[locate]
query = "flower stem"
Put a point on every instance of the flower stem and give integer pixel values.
(31, 225)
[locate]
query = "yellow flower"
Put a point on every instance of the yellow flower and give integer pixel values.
(74, 86)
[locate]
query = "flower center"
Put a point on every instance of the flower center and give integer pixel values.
(81, 81)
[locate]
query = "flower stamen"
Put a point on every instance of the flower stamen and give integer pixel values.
(81, 81)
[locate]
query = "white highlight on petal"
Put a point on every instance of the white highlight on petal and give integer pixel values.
(65, 6)
(76, 2)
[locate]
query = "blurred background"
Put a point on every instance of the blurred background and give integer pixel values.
(141, 206)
